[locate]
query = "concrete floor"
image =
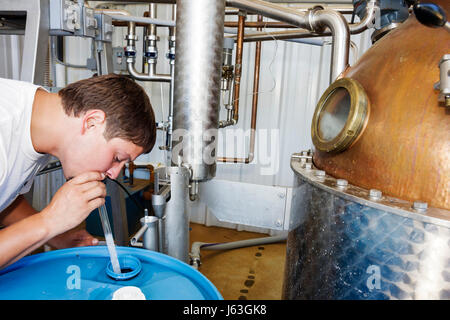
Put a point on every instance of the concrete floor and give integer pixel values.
(253, 273)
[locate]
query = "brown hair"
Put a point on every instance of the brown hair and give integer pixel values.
(129, 114)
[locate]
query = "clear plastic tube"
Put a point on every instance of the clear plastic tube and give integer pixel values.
(109, 240)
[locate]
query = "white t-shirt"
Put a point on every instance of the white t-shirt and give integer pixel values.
(19, 162)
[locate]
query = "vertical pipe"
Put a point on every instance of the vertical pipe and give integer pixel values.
(151, 41)
(238, 66)
(145, 32)
(314, 20)
(171, 90)
(341, 38)
(197, 89)
(251, 152)
(176, 221)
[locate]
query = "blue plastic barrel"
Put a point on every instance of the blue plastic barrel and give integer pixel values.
(85, 273)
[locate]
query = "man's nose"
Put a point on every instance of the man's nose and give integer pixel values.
(114, 171)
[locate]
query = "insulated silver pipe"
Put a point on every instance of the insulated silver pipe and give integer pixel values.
(341, 38)
(157, 22)
(372, 10)
(145, 77)
(171, 55)
(313, 20)
(199, 33)
(272, 11)
(197, 246)
(175, 223)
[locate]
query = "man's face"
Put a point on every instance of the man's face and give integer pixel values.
(91, 152)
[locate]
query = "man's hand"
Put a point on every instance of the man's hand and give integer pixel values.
(73, 238)
(73, 202)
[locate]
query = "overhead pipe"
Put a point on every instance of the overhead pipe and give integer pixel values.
(114, 12)
(144, 20)
(251, 152)
(269, 24)
(368, 20)
(314, 20)
(344, 9)
(263, 36)
(277, 24)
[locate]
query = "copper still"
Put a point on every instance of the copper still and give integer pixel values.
(401, 145)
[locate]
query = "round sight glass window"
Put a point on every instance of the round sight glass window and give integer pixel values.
(334, 114)
(340, 116)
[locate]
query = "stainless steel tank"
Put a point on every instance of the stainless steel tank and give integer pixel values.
(198, 65)
(347, 242)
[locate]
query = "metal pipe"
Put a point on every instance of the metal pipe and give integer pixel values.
(197, 246)
(341, 38)
(158, 22)
(150, 42)
(171, 56)
(273, 11)
(238, 67)
(315, 20)
(251, 24)
(175, 223)
(266, 36)
(138, 234)
(113, 12)
(356, 28)
(131, 58)
(251, 152)
(344, 9)
(372, 9)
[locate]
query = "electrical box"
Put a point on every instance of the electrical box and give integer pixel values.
(89, 23)
(119, 59)
(105, 27)
(65, 16)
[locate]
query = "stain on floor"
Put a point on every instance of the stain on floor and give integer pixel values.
(252, 273)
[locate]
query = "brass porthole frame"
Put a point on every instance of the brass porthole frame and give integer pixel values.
(356, 120)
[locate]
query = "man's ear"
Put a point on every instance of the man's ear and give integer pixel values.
(92, 119)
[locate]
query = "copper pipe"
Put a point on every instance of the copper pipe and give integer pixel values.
(132, 167)
(238, 67)
(274, 24)
(251, 152)
(116, 23)
(131, 172)
(144, 45)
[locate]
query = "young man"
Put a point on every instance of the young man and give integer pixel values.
(93, 126)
